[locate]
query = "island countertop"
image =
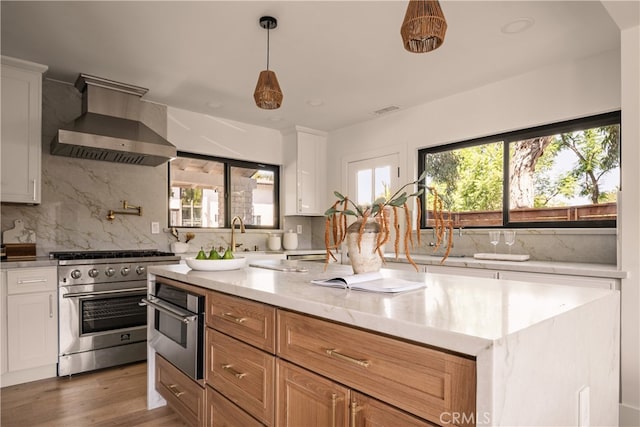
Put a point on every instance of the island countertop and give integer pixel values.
(460, 314)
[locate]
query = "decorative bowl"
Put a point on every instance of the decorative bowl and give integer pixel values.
(216, 264)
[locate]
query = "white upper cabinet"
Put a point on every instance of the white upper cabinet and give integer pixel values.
(21, 130)
(305, 168)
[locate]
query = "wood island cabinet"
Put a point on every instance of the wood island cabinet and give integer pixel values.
(272, 367)
(184, 395)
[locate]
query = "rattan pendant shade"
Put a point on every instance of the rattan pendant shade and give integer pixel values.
(424, 26)
(268, 94)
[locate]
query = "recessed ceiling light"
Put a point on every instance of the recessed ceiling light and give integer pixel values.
(517, 26)
(214, 104)
(315, 102)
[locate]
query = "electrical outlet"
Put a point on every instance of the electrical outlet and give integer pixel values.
(299, 229)
(155, 228)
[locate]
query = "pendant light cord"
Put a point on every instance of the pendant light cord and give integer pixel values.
(268, 30)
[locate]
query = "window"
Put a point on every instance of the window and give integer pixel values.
(208, 192)
(561, 175)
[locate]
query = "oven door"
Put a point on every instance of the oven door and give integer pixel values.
(177, 335)
(101, 315)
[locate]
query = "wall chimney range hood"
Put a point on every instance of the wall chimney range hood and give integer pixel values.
(109, 128)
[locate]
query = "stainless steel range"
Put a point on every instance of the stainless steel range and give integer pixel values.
(101, 322)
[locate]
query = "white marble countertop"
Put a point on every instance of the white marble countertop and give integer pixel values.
(461, 314)
(569, 268)
(38, 262)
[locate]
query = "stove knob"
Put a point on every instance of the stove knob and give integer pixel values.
(76, 274)
(140, 270)
(110, 271)
(93, 273)
(124, 271)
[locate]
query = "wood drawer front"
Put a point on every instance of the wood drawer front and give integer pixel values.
(243, 374)
(307, 399)
(27, 280)
(246, 320)
(367, 411)
(419, 380)
(222, 413)
(184, 395)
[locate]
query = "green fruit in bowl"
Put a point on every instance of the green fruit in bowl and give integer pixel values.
(227, 254)
(214, 254)
(201, 254)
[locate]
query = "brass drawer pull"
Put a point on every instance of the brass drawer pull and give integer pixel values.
(360, 362)
(238, 375)
(234, 318)
(174, 390)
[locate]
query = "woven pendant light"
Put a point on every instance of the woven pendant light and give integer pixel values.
(424, 26)
(268, 94)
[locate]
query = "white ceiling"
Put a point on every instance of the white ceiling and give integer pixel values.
(205, 56)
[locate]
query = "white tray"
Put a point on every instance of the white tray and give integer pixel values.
(502, 257)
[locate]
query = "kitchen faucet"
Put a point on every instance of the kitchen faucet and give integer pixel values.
(233, 228)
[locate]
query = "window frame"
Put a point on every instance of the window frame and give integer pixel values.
(228, 164)
(605, 119)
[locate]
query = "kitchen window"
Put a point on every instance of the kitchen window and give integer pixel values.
(207, 192)
(565, 174)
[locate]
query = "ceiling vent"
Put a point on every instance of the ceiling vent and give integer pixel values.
(386, 110)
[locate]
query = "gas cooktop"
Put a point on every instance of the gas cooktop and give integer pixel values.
(102, 255)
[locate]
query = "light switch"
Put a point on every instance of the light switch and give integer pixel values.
(299, 229)
(155, 228)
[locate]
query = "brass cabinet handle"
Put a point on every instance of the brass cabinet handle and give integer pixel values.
(234, 318)
(334, 402)
(173, 389)
(229, 368)
(360, 362)
(353, 409)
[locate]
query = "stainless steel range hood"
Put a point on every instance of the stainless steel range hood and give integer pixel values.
(110, 128)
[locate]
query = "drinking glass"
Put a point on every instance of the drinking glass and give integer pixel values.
(494, 238)
(509, 238)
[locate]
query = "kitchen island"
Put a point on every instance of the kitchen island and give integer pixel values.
(544, 354)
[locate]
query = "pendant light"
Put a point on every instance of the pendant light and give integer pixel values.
(268, 95)
(424, 26)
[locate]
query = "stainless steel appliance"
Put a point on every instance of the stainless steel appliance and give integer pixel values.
(110, 128)
(177, 332)
(100, 321)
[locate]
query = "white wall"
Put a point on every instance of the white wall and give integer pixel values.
(629, 223)
(555, 93)
(203, 134)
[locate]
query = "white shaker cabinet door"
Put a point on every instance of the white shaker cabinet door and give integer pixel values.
(21, 131)
(33, 335)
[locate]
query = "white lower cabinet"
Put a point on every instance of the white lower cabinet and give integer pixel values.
(30, 324)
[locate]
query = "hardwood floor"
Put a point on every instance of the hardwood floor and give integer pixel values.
(110, 397)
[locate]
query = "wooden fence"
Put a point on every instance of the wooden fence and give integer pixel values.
(599, 212)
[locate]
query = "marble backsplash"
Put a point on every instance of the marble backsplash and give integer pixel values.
(77, 193)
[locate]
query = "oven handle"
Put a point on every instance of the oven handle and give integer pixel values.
(90, 294)
(168, 311)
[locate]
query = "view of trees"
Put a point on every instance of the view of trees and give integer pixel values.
(566, 169)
